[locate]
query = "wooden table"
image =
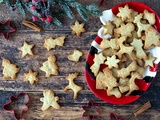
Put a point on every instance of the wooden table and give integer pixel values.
(70, 109)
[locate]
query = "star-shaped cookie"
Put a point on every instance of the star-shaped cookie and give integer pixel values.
(149, 61)
(49, 100)
(9, 70)
(112, 62)
(50, 67)
(77, 28)
(30, 76)
(26, 49)
(72, 85)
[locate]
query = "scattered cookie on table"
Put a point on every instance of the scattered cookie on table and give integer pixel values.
(26, 49)
(75, 56)
(31, 77)
(52, 43)
(77, 28)
(10, 70)
(50, 67)
(49, 100)
(72, 85)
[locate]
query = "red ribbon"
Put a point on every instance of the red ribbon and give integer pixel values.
(101, 2)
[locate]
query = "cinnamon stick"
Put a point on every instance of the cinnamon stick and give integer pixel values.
(32, 25)
(141, 109)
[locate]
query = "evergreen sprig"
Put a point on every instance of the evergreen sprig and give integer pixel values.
(53, 9)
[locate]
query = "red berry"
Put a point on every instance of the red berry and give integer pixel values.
(34, 18)
(49, 18)
(26, 0)
(33, 7)
(34, 0)
(43, 18)
(43, 0)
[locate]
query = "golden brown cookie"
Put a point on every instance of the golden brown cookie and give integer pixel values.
(77, 28)
(75, 56)
(72, 85)
(124, 72)
(26, 49)
(140, 25)
(137, 44)
(149, 61)
(31, 77)
(109, 80)
(125, 30)
(50, 67)
(108, 28)
(152, 38)
(132, 85)
(52, 43)
(9, 70)
(98, 60)
(125, 12)
(49, 100)
(99, 82)
(112, 62)
(150, 17)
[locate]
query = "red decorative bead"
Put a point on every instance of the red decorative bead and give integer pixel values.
(43, 18)
(34, 18)
(26, 0)
(34, 0)
(43, 0)
(33, 7)
(49, 18)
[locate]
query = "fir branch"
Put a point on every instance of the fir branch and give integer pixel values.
(27, 6)
(51, 2)
(48, 12)
(56, 21)
(82, 11)
(20, 8)
(66, 9)
(7, 2)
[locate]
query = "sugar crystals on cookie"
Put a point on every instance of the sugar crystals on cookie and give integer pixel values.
(31, 77)
(9, 70)
(50, 67)
(77, 28)
(26, 49)
(49, 99)
(75, 56)
(72, 85)
(52, 43)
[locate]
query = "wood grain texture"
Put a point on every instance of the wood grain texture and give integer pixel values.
(70, 109)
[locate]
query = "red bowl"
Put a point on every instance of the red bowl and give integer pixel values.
(142, 84)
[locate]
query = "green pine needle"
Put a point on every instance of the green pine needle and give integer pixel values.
(20, 8)
(65, 7)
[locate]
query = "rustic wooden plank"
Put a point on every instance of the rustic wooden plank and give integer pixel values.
(71, 109)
